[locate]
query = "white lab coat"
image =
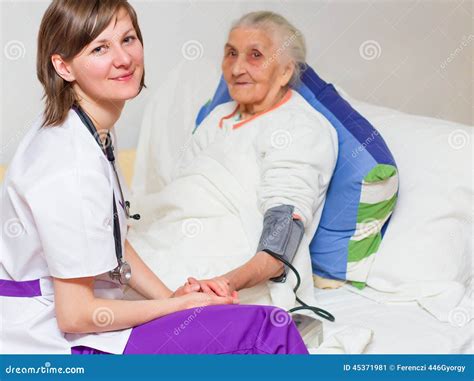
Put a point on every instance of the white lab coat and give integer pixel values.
(57, 219)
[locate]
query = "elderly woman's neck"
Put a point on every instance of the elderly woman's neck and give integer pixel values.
(270, 101)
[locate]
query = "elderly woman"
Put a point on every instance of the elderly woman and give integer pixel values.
(280, 151)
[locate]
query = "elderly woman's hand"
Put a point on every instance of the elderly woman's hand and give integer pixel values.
(220, 286)
(187, 288)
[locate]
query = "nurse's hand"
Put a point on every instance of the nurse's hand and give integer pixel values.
(218, 285)
(201, 299)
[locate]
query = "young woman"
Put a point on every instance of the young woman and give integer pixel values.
(65, 257)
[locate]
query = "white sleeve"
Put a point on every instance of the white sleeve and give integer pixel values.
(73, 213)
(298, 159)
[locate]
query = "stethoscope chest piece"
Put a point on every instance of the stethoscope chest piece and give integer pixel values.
(122, 273)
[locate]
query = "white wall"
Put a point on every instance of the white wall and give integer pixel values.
(416, 56)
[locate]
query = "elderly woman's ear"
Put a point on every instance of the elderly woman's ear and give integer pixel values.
(288, 70)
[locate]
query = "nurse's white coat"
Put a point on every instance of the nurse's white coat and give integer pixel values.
(57, 221)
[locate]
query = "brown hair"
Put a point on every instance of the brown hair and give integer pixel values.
(67, 27)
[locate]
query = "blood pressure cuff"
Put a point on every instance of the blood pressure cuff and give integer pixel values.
(281, 235)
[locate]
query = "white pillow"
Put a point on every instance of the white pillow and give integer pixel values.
(426, 254)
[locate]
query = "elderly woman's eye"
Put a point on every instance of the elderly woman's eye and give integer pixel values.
(256, 54)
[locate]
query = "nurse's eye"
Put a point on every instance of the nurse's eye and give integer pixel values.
(129, 39)
(100, 50)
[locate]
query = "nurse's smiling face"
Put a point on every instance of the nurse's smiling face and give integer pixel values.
(255, 74)
(110, 68)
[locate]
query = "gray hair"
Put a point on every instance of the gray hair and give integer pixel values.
(290, 40)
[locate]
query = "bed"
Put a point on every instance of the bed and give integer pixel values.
(418, 297)
(386, 328)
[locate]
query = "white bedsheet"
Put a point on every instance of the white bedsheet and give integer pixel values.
(365, 326)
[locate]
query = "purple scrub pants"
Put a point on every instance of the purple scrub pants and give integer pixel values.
(226, 329)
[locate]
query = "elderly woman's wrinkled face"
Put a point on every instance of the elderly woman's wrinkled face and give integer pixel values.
(253, 71)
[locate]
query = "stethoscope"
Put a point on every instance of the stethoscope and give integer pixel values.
(123, 271)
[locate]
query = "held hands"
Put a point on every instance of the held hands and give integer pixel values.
(201, 299)
(200, 293)
(186, 289)
(219, 285)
